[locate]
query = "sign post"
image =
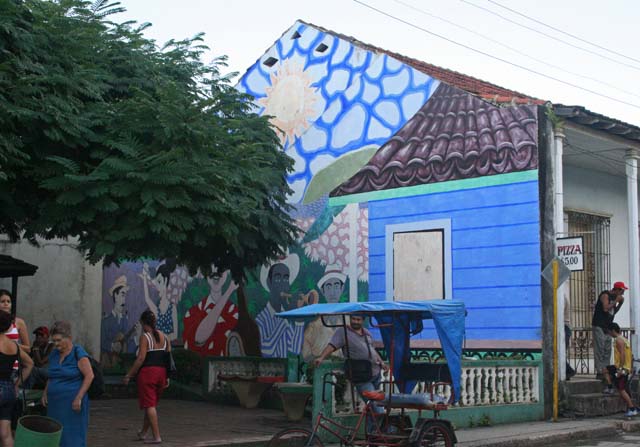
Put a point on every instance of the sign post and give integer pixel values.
(555, 273)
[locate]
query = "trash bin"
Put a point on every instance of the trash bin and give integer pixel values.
(38, 431)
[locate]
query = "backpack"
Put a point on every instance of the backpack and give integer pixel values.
(96, 389)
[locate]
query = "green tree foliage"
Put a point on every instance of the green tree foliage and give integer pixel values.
(133, 149)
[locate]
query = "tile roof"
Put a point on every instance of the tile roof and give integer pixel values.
(500, 95)
(455, 135)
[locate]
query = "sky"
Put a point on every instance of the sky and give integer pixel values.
(243, 30)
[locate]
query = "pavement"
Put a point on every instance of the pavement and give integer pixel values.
(114, 423)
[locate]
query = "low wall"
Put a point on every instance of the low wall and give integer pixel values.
(493, 392)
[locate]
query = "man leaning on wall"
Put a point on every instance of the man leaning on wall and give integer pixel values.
(608, 304)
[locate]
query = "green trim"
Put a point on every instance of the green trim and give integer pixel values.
(432, 188)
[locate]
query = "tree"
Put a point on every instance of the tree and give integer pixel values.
(133, 149)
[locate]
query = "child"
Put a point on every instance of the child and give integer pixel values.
(618, 374)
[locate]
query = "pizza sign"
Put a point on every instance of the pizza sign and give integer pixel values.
(571, 251)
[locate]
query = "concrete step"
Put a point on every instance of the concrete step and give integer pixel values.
(596, 404)
(578, 385)
(581, 386)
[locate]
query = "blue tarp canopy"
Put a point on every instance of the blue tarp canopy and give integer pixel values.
(448, 317)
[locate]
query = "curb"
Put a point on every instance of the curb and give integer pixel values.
(257, 441)
(560, 435)
(600, 430)
(543, 438)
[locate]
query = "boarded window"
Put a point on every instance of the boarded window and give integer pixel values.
(418, 265)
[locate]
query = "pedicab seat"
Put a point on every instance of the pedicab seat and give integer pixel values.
(421, 401)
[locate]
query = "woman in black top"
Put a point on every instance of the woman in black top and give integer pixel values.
(151, 369)
(9, 354)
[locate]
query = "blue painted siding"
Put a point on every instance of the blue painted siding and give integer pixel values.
(495, 238)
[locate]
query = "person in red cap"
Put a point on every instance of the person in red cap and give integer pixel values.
(40, 351)
(608, 304)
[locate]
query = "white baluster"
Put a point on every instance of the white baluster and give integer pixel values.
(513, 385)
(535, 385)
(499, 386)
(519, 383)
(463, 387)
(485, 386)
(472, 386)
(492, 385)
(478, 397)
(527, 384)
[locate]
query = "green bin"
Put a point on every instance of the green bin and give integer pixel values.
(38, 431)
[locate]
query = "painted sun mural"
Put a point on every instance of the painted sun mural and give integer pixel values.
(290, 100)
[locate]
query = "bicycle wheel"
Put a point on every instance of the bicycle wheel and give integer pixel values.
(435, 434)
(294, 437)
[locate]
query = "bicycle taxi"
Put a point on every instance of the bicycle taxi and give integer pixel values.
(397, 322)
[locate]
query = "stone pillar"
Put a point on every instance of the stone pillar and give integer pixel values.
(631, 160)
(558, 217)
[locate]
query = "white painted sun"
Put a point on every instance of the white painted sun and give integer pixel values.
(290, 100)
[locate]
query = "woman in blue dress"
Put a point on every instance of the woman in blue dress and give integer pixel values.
(65, 395)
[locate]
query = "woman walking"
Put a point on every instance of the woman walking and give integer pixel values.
(9, 354)
(65, 394)
(152, 378)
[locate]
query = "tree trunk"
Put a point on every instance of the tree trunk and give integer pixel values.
(247, 327)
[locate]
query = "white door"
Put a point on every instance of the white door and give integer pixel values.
(418, 265)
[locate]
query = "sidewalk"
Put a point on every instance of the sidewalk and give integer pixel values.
(200, 424)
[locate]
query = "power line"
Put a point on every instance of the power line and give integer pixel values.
(494, 57)
(561, 31)
(516, 50)
(555, 39)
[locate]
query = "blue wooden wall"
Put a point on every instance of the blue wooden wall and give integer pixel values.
(495, 238)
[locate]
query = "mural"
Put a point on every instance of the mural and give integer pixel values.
(364, 131)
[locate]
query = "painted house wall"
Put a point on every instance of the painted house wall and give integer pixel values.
(495, 265)
(335, 105)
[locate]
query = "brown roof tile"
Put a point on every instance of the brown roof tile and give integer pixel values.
(455, 135)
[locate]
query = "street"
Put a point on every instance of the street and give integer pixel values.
(618, 440)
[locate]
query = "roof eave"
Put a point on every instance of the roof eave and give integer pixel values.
(602, 123)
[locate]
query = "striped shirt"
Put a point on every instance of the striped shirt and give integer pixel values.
(278, 337)
(14, 335)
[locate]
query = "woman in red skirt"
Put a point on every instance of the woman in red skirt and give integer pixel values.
(152, 375)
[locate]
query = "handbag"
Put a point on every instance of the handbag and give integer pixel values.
(172, 371)
(358, 371)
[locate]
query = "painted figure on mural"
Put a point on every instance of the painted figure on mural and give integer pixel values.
(279, 336)
(317, 335)
(166, 311)
(117, 335)
(208, 323)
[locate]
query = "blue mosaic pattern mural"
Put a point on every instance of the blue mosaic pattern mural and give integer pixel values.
(347, 98)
